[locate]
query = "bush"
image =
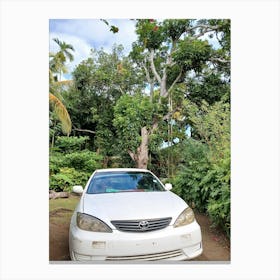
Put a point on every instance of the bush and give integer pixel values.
(84, 161)
(204, 179)
(188, 181)
(71, 144)
(206, 187)
(67, 178)
(71, 165)
(219, 201)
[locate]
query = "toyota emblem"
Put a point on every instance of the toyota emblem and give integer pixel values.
(143, 225)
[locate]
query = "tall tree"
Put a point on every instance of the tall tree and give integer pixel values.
(168, 52)
(59, 59)
(57, 65)
(99, 81)
(61, 112)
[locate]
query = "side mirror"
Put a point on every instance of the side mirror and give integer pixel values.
(168, 186)
(78, 189)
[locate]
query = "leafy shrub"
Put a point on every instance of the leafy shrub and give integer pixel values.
(71, 165)
(206, 187)
(188, 181)
(84, 160)
(219, 201)
(71, 144)
(204, 179)
(66, 178)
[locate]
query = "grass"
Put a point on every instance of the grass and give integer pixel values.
(61, 209)
(65, 203)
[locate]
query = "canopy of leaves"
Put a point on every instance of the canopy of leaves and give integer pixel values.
(131, 113)
(210, 87)
(192, 54)
(99, 82)
(150, 33)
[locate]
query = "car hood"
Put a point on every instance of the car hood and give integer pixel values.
(133, 205)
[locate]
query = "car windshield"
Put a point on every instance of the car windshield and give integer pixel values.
(123, 181)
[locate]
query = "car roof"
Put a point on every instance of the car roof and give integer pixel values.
(122, 169)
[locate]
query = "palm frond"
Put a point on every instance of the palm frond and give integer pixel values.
(65, 83)
(69, 55)
(62, 113)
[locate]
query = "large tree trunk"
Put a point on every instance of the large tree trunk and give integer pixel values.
(143, 150)
(141, 157)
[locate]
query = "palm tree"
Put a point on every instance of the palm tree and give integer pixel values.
(61, 112)
(59, 59)
(57, 65)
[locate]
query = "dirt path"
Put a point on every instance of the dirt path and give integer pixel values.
(215, 246)
(58, 234)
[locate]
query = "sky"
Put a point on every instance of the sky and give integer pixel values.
(87, 34)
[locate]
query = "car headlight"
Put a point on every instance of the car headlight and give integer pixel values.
(185, 218)
(90, 223)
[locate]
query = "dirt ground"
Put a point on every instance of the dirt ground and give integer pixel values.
(216, 247)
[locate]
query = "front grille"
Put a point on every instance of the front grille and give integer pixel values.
(141, 225)
(149, 257)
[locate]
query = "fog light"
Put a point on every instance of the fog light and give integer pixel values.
(98, 244)
(80, 257)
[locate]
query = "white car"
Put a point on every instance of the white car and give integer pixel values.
(129, 215)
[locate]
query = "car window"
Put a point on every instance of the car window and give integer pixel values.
(121, 181)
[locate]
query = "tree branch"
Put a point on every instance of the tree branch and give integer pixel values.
(163, 91)
(175, 81)
(132, 155)
(154, 127)
(146, 72)
(150, 81)
(206, 28)
(216, 59)
(153, 68)
(167, 116)
(119, 87)
(84, 130)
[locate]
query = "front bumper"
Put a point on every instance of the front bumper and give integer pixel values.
(167, 244)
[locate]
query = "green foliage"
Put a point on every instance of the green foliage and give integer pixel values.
(224, 32)
(66, 178)
(204, 176)
(113, 28)
(194, 167)
(175, 28)
(71, 164)
(85, 160)
(212, 124)
(192, 54)
(99, 81)
(71, 144)
(56, 68)
(130, 114)
(209, 87)
(219, 202)
(150, 33)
